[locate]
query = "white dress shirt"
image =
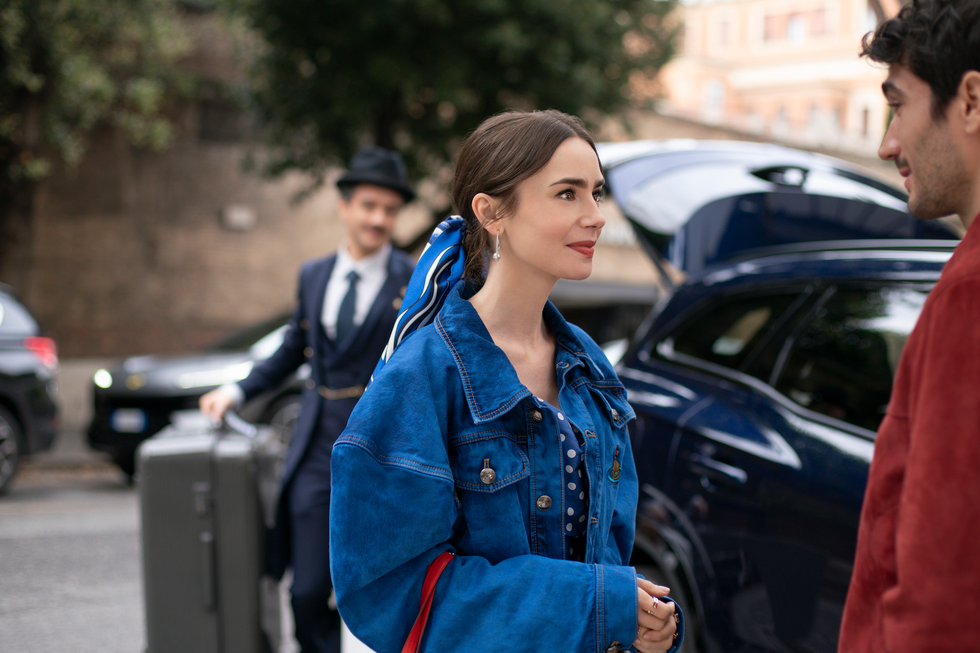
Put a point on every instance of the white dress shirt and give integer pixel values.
(372, 270)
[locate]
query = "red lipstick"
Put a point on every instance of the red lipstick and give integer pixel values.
(586, 248)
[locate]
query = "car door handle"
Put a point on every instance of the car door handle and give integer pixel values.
(708, 466)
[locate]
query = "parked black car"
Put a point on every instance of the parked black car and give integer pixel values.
(759, 382)
(136, 399)
(28, 391)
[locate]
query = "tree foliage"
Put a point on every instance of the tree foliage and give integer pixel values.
(418, 75)
(66, 66)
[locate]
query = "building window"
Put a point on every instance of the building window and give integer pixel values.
(796, 28)
(713, 101)
(780, 124)
(714, 94)
(818, 22)
(692, 36)
(770, 28)
(869, 20)
(814, 117)
(726, 34)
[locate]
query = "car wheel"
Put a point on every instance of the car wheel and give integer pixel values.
(11, 442)
(655, 574)
(282, 416)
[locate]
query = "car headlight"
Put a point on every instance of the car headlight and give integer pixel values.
(103, 379)
(214, 377)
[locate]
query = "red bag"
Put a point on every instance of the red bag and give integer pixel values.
(414, 641)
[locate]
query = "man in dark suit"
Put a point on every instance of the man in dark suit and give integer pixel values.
(348, 303)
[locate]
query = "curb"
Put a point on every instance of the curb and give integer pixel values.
(40, 462)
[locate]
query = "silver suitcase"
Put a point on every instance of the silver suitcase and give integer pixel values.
(207, 497)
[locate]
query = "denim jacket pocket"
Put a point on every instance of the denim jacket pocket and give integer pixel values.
(491, 522)
(488, 462)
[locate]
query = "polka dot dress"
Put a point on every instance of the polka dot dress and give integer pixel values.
(575, 483)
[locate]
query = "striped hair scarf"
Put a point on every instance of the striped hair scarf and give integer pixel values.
(438, 270)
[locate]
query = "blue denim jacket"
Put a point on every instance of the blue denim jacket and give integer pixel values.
(407, 485)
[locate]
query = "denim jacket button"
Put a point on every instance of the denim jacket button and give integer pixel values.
(544, 502)
(615, 415)
(488, 476)
(536, 416)
(614, 648)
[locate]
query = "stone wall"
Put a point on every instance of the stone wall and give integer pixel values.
(133, 253)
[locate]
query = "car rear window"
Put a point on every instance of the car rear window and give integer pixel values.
(14, 318)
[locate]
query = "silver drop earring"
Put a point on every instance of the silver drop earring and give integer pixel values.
(496, 254)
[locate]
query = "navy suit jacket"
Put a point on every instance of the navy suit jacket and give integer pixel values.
(334, 366)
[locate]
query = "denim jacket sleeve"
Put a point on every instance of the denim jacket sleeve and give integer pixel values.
(394, 508)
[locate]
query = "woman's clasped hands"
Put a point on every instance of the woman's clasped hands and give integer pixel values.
(657, 621)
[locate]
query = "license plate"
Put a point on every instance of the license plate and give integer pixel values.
(128, 420)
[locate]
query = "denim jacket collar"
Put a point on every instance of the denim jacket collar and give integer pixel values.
(489, 380)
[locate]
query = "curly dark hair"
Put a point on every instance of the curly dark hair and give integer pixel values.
(501, 153)
(939, 40)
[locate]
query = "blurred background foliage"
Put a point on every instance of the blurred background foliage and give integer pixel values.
(418, 75)
(67, 66)
(326, 76)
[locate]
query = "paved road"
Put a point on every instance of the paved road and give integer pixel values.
(70, 558)
(70, 578)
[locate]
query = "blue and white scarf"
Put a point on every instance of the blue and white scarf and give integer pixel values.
(439, 268)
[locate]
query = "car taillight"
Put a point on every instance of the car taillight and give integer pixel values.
(43, 348)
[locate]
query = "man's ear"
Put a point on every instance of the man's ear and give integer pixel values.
(969, 93)
(485, 208)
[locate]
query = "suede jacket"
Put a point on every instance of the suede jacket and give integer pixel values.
(916, 580)
(410, 481)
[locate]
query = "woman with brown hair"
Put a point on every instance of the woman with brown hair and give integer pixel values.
(497, 431)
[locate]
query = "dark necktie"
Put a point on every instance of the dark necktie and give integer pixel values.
(345, 316)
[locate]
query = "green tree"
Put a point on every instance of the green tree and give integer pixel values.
(418, 75)
(65, 67)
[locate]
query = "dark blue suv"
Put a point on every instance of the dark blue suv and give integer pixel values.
(759, 382)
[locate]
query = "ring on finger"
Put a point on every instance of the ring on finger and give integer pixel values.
(656, 602)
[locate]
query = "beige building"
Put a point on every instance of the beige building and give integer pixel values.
(786, 70)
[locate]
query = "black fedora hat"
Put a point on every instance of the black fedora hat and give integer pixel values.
(376, 165)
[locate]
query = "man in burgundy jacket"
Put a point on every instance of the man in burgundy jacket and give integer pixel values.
(916, 580)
